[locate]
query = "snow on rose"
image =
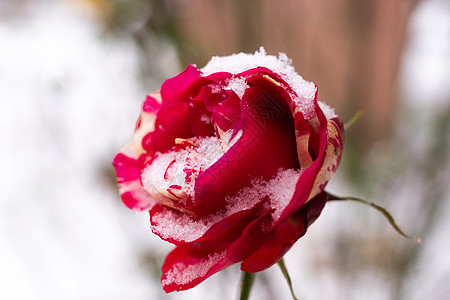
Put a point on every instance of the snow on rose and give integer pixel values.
(231, 162)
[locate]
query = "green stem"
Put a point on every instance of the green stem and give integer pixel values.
(286, 275)
(380, 209)
(246, 285)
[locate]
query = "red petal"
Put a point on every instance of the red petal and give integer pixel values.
(211, 100)
(128, 177)
(151, 104)
(146, 122)
(172, 122)
(227, 113)
(281, 239)
(256, 72)
(161, 209)
(191, 263)
(219, 77)
(332, 154)
(267, 144)
(200, 119)
(304, 190)
(177, 88)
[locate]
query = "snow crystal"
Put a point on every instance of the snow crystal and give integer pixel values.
(205, 119)
(182, 274)
(164, 171)
(279, 190)
(209, 150)
(179, 226)
(327, 110)
(237, 85)
(171, 168)
(281, 65)
(228, 140)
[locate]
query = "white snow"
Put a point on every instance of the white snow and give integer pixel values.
(327, 110)
(174, 167)
(179, 226)
(282, 65)
(237, 85)
(183, 274)
(280, 190)
(170, 163)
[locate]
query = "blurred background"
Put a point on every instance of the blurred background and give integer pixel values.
(73, 74)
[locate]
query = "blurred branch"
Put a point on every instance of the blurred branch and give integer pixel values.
(434, 162)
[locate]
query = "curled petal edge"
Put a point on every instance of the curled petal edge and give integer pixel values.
(129, 180)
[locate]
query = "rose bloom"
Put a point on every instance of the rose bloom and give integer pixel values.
(231, 162)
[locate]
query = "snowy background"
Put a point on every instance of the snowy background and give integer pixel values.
(70, 93)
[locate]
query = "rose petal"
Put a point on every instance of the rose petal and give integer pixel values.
(303, 191)
(171, 215)
(176, 88)
(221, 246)
(128, 177)
(152, 103)
(200, 119)
(281, 239)
(146, 122)
(256, 73)
(227, 113)
(332, 154)
(219, 77)
(172, 122)
(302, 134)
(212, 99)
(266, 145)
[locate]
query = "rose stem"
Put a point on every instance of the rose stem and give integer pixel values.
(246, 285)
(286, 275)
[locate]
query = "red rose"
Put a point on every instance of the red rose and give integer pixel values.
(231, 162)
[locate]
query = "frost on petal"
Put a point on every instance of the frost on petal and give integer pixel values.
(266, 145)
(279, 240)
(183, 272)
(191, 263)
(303, 191)
(279, 192)
(177, 227)
(170, 177)
(304, 92)
(327, 110)
(237, 85)
(282, 65)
